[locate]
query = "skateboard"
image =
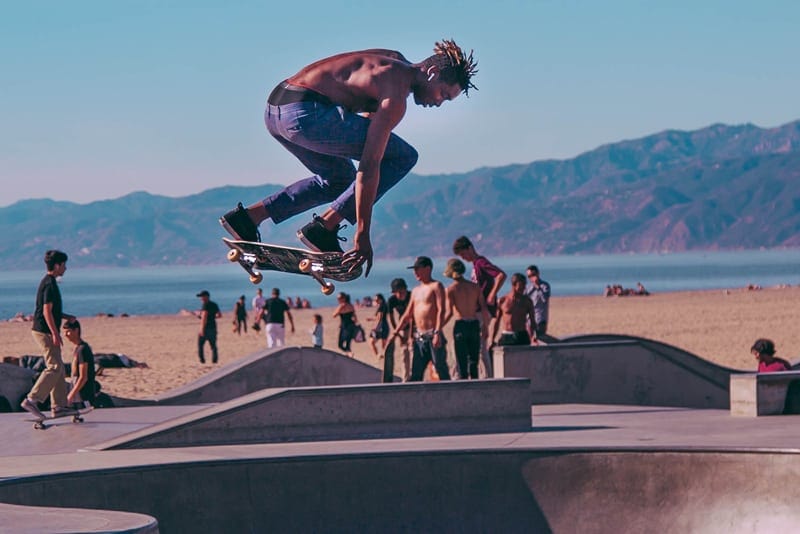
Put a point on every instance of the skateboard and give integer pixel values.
(40, 418)
(318, 265)
(388, 363)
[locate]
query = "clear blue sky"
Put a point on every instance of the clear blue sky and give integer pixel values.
(101, 98)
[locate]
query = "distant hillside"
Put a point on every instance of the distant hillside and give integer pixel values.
(721, 187)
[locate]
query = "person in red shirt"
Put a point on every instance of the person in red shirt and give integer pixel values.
(764, 351)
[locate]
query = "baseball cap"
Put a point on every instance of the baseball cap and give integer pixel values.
(203, 293)
(421, 261)
(454, 267)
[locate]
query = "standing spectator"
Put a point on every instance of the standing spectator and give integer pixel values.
(317, 332)
(381, 330)
(83, 387)
(398, 303)
(347, 322)
(490, 278)
(240, 316)
(46, 332)
(258, 308)
(209, 314)
(539, 292)
(515, 313)
(465, 302)
(764, 351)
(275, 313)
(427, 310)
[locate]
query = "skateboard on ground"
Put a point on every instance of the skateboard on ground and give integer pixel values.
(40, 417)
(388, 363)
(318, 265)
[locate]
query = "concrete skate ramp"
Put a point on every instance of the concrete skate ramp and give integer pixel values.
(444, 491)
(345, 412)
(606, 369)
(275, 368)
(39, 520)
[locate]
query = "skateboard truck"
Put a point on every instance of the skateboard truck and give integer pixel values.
(314, 269)
(246, 261)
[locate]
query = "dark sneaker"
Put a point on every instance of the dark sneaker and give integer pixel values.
(316, 237)
(239, 224)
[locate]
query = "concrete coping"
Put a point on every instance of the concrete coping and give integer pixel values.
(40, 519)
(755, 394)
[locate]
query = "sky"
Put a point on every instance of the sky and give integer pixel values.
(102, 98)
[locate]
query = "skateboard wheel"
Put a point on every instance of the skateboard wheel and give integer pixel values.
(256, 278)
(305, 265)
(38, 425)
(234, 255)
(327, 289)
(77, 419)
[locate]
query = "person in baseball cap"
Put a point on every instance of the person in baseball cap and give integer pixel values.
(203, 293)
(421, 261)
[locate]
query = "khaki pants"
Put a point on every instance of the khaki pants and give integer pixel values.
(53, 379)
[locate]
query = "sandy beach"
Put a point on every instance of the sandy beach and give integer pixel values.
(719, 326)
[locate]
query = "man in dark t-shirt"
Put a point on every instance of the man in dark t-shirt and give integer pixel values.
(82, 388)
(47, 318)
(208, 327)
(398, 303)
(275, 313)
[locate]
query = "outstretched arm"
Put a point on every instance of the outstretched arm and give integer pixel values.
(390, 112)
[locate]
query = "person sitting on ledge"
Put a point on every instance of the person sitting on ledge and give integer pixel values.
(764, 351)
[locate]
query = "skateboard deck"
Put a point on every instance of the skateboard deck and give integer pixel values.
(39, 422)
(253, 256)
(388, 363)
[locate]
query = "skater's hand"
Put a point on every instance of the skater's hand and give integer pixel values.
(361, 253)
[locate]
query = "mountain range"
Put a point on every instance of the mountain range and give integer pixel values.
(720, 187)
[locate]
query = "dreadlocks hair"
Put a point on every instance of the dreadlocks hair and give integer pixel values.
(454, 66)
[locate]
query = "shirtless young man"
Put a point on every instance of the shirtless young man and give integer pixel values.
(427, 310)
(465, 302)
(315, 115)
(515, 313)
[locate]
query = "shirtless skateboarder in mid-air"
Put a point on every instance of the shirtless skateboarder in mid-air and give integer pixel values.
(340, 109)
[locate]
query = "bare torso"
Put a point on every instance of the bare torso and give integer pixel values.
(464, 299)
(428, 305)
(515, 309)
(358, 80)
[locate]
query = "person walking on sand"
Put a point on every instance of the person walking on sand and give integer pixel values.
(515, 314)
(344, 108)
(490, 278)
(427, 309)
(209, 314)
(257, 306)
(317, 332)
(275, 312)
(346, 313)
(240, 316)
(465, 302)
(381, 330)
(539, 292)
(397, 304)
(47, 317)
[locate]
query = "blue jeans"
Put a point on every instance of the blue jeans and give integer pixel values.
(425, 352)
(326, 138)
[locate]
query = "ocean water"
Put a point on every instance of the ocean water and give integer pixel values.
(167, 290)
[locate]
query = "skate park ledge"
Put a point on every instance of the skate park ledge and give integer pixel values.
(755, 394)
